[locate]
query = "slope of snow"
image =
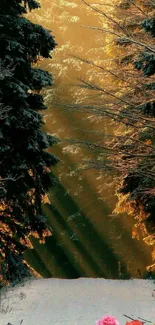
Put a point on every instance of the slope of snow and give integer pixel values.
(77, 302)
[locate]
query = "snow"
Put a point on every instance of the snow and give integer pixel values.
(77, 302)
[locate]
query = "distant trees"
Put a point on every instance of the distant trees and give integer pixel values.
(24, 160)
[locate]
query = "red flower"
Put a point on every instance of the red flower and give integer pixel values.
(134, 322)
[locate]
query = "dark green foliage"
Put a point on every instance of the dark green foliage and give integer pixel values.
(17, 7)
(148, 108)
(24, 163)
(14, 269)
(149, 25)
(135, 180)
(146, 63)
(150, 86)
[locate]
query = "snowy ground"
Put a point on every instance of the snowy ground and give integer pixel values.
(77, 302)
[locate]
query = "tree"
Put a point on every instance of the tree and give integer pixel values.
(126, 97)
(24, 160)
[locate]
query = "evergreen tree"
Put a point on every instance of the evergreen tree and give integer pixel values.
(24, 160)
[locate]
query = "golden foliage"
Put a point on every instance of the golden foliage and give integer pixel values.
(45, 199)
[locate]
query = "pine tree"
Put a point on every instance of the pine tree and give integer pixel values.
(24, 160)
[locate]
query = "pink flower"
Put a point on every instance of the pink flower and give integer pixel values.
(107, 320)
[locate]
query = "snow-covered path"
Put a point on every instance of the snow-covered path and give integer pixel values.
(78, 302)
